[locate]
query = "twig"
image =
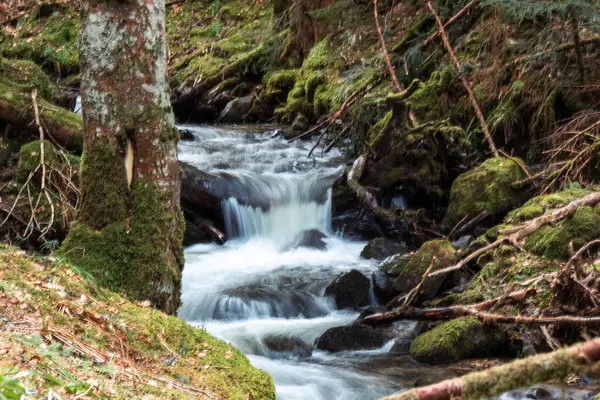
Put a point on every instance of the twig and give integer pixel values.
(450, 22)
(413, 293)
(385, 51)
(478, 112)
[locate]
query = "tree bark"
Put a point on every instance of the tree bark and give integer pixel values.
(517, 374)
(130, 225)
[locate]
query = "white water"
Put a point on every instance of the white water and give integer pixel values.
(250, 290)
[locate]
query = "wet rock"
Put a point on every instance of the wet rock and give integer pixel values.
(538, 393)
(401, 347)
(286, 344)
(383, 285)
(186, 135)
(411, 273)
(457, 340)
(463, 242)
(300, 125)
(381, 248)
(393, 264)
(354, 337)
(312, 239)
(235, 111)
(220, 101)
(350, 290)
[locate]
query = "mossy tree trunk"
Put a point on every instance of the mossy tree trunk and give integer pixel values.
(130, 228)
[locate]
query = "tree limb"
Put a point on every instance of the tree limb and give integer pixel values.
(385, 51)
(450, 22)
(520, 373)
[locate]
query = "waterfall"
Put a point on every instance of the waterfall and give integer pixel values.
(260, 290)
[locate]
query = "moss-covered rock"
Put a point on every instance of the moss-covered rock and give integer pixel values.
(28, 75)
(456, 340)
(572, 233)
(486, 188)
(410, 273)
(539, 204)
(381, 248)
(30, 159)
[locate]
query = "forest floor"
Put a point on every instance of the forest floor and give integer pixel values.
(63, 337)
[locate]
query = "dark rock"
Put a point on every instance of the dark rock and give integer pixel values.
(300, 125)
(538, 393)
(463, 242)
(350, 290)
(381, 248)
(312, 239)
(236, 110)
(220, 101)
(401, 347)
(285, 344)
(354, 337)
(383, 285)
(186, 135)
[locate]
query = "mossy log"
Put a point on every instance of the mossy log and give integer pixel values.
(366, 197)
(517, 374)
(61, 125)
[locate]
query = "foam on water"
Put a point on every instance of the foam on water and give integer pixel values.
(251, 289)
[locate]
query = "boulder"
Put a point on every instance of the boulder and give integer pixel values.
(236, 110)
(411, 271)
(394, 264)
(381, 248)
(353, 337)
(456, 340)
(350, 290)
(312, 239)
(383, 286)
(487, 188)
(463, 242)
(286, 344)
(186, 135)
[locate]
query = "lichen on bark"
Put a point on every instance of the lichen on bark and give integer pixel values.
(130, 229)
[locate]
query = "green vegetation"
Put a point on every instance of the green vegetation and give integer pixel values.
(486, 188)
(456, 340)
(90, 340)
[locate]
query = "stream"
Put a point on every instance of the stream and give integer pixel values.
(258, 289)
(265, 295)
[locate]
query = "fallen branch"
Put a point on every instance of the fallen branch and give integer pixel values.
(451, 312)
(443, 313)
(517, 374)
(478, 112)
(385, 51)
(450, 22)
(522, 231)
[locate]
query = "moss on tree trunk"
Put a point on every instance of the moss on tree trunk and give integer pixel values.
(130, 229)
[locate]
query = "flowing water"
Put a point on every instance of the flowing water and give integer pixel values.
(257, 288)
(265, 296)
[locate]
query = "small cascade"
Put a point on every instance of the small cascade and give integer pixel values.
(263, 291)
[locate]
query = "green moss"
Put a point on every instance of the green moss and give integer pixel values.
(456, 340)
(411, 272)
(30, 158)
(486, 188)
(51, 42)
(536, 206)
(28, 75)
(377, 131)
(125, 329)
(436, 98)
(555, 241)
(313, 80)
(318, 56)
(282, 80)
(104, 200)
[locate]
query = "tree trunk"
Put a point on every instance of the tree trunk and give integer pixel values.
(129, 232)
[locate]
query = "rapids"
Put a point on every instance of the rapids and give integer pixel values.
(252, 289)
